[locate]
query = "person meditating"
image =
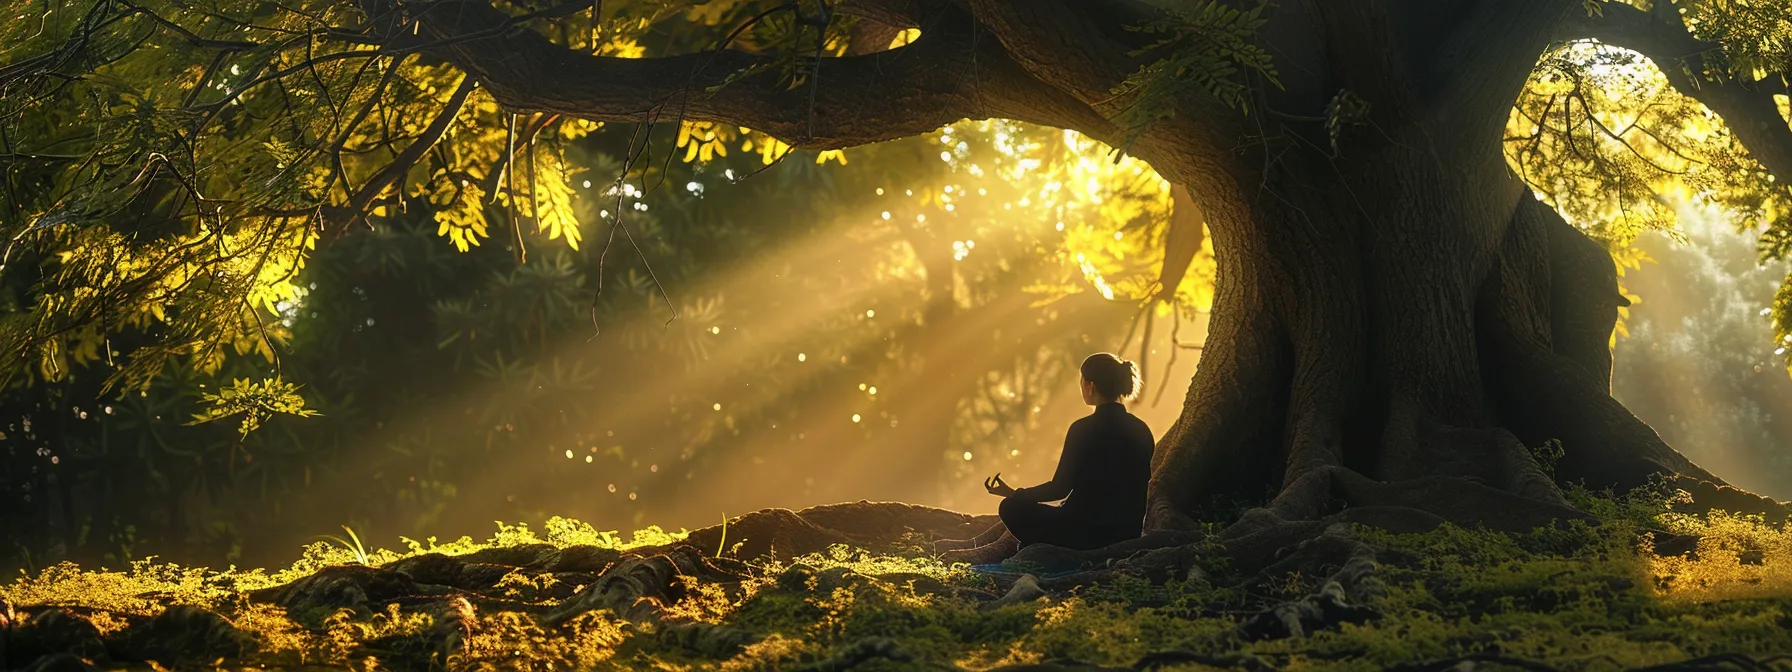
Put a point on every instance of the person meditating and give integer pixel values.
(1101, 477)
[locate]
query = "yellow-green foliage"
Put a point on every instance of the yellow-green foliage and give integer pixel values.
(1739, 557)
(1580, 596)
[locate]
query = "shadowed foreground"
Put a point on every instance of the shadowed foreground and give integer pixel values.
(851, 586)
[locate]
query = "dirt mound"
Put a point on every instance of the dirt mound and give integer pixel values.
(875, 525)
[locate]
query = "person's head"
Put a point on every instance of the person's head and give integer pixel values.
(1107, 377)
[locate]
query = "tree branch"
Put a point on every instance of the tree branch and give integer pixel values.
(1062, 46)
(338, 220)
(1747, 107)
(943, 77)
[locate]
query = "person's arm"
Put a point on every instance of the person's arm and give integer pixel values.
(1060, 485)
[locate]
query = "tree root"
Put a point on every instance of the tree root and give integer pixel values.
(1327, 608)
(1723, 662)
(1152, 661)
(637, 588)
(1708, 496)
(864, 650)
(875, 525)
(1729, 662)
(1331, 495)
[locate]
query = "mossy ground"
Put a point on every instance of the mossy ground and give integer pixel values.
(1579, 597)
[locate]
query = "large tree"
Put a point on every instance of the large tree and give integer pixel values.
(1396, 316)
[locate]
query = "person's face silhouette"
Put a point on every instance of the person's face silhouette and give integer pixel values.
(1090, 396)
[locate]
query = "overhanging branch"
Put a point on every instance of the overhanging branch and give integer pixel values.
(1748, 108)
(943, 77)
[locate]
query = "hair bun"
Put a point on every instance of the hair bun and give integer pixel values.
(1114, 378)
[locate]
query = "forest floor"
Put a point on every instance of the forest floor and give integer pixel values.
(853, 587)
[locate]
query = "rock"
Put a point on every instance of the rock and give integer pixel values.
(339, 587)
(54, 631)
(1025, 589)
(181, 633)
(588, 559)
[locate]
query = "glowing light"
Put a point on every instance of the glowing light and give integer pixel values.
(886, 215)
(1014, 453)
(870, 313)
(717, 407)
(715, 330)
(873, 389)
(801, 357)
(1117, 235)
(920, 218)
(880, 191)
(861, 386)
(855, 417)
(631, 496)
(587, 459)
(1060, 226)
(967, 456)
(569, 454)
(945, 156)
(587, 184)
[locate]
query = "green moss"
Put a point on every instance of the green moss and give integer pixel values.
(1579, 596)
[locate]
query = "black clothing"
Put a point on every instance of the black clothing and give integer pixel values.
(1101, 477)
(1036, 523)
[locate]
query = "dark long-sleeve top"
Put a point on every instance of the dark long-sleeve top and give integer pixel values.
(1104, 470)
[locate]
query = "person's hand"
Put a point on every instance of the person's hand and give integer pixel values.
(996, 487)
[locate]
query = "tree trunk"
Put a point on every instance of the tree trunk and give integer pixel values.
(1392, 328)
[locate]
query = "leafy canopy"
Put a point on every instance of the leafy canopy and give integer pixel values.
(171, 166)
